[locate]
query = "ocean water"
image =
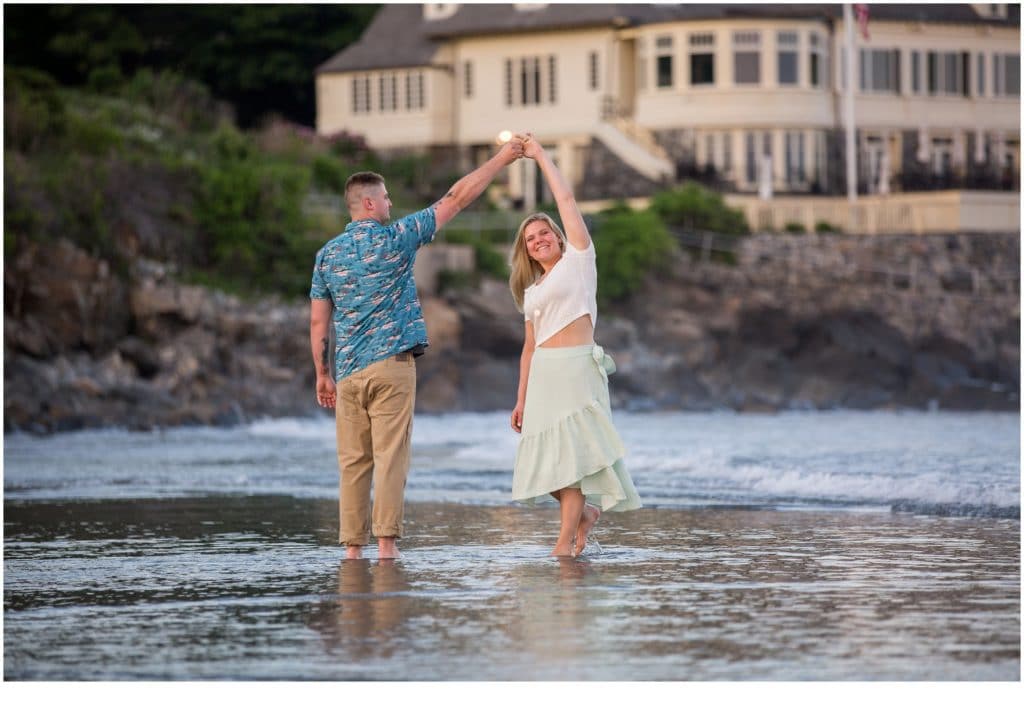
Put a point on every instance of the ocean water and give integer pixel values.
(798, 546)
(926, 463)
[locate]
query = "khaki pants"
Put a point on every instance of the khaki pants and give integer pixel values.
(373, 415)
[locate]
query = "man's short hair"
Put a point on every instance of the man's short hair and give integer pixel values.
(355, 184)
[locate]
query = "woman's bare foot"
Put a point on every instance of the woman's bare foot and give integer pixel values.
(563, 550)
(591, 514)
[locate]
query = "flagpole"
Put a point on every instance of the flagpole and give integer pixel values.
(851, 131)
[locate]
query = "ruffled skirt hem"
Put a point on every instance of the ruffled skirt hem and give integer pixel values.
(580, 449)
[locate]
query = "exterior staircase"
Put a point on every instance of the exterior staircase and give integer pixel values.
(636, 146)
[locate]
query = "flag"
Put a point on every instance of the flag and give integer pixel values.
(862, 19)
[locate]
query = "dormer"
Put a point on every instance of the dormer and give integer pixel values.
(439, 10)
(990, 10)
(530, 6)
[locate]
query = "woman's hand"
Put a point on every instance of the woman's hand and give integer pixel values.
(531, 147)
(517, 418)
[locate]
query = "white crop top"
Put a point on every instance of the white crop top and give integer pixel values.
(566, 293)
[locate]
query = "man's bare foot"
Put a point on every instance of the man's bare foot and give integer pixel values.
(387, 550)
(591, 514)
(353, 552)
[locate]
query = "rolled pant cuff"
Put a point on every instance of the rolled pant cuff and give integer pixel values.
(354, 542)
(387, 532)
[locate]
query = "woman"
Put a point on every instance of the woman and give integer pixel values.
(569, 448)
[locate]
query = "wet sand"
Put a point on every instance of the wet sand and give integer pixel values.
(255, 588)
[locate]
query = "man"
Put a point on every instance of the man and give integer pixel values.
(363, 278)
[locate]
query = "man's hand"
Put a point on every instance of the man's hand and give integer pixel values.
(512, 150)
(326, 394)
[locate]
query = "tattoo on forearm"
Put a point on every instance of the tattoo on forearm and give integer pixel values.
(448, 195)
(326, 346)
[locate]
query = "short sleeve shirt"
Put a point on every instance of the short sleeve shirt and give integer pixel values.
(366, 272)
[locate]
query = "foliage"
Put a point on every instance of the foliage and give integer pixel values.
(824, 227)
(488, 260)
(629, 245)
(249, 211)
(34, 110)
(795, 227)
(258, 57)
(695, 207)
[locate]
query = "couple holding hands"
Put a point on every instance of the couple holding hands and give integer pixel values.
(363, 282)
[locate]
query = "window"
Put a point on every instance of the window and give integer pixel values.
(727, 152)
(361, 94)
(818, 60)
(795, 157)
(709, 150)
(947, 73)
(535, 80)
(880, 70)
(788, 57)
(702, 59)
(552, 79)
(388, 92)
(414, 98)
(1006, 74)
(467, 79)
(751, 157)
(664, 62)
(942, 156)
(508, 82)
(979, 87)
(439, 10)
(915, 72)
(593, 72)
(746, 58)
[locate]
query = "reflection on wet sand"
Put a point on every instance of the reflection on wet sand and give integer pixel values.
(364, 620)
(255, 588)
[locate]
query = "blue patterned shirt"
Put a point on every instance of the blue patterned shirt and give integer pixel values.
(366, 271)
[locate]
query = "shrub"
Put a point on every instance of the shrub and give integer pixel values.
(329, 174)
(488, 260)
(35, 113)
(696, 207)
(629, 245)
(795, 227)
(249, 210)
(824, 227)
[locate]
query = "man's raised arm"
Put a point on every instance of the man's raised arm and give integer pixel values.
(469, 187)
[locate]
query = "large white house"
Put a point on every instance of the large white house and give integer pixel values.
(744, 96)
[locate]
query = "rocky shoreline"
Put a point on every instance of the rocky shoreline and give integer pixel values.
(799, 322)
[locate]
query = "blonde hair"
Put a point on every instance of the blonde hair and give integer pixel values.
(525, 270)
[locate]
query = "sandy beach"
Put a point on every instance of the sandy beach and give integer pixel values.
(254, 588)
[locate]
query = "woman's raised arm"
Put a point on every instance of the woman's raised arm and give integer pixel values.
(572, 220)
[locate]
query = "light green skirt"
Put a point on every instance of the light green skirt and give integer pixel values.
(568, 439)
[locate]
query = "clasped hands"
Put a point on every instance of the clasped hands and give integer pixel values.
(521, 145)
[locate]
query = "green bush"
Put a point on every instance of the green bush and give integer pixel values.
(629, 245)
(93, 135)
(329, 174)
(180, 100)
(35, 112)
(824, 227)
(795, 227)
(249, 210)
(488, 260)
(695, 207)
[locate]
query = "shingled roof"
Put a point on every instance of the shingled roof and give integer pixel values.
(396, 38)
(400, 37)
